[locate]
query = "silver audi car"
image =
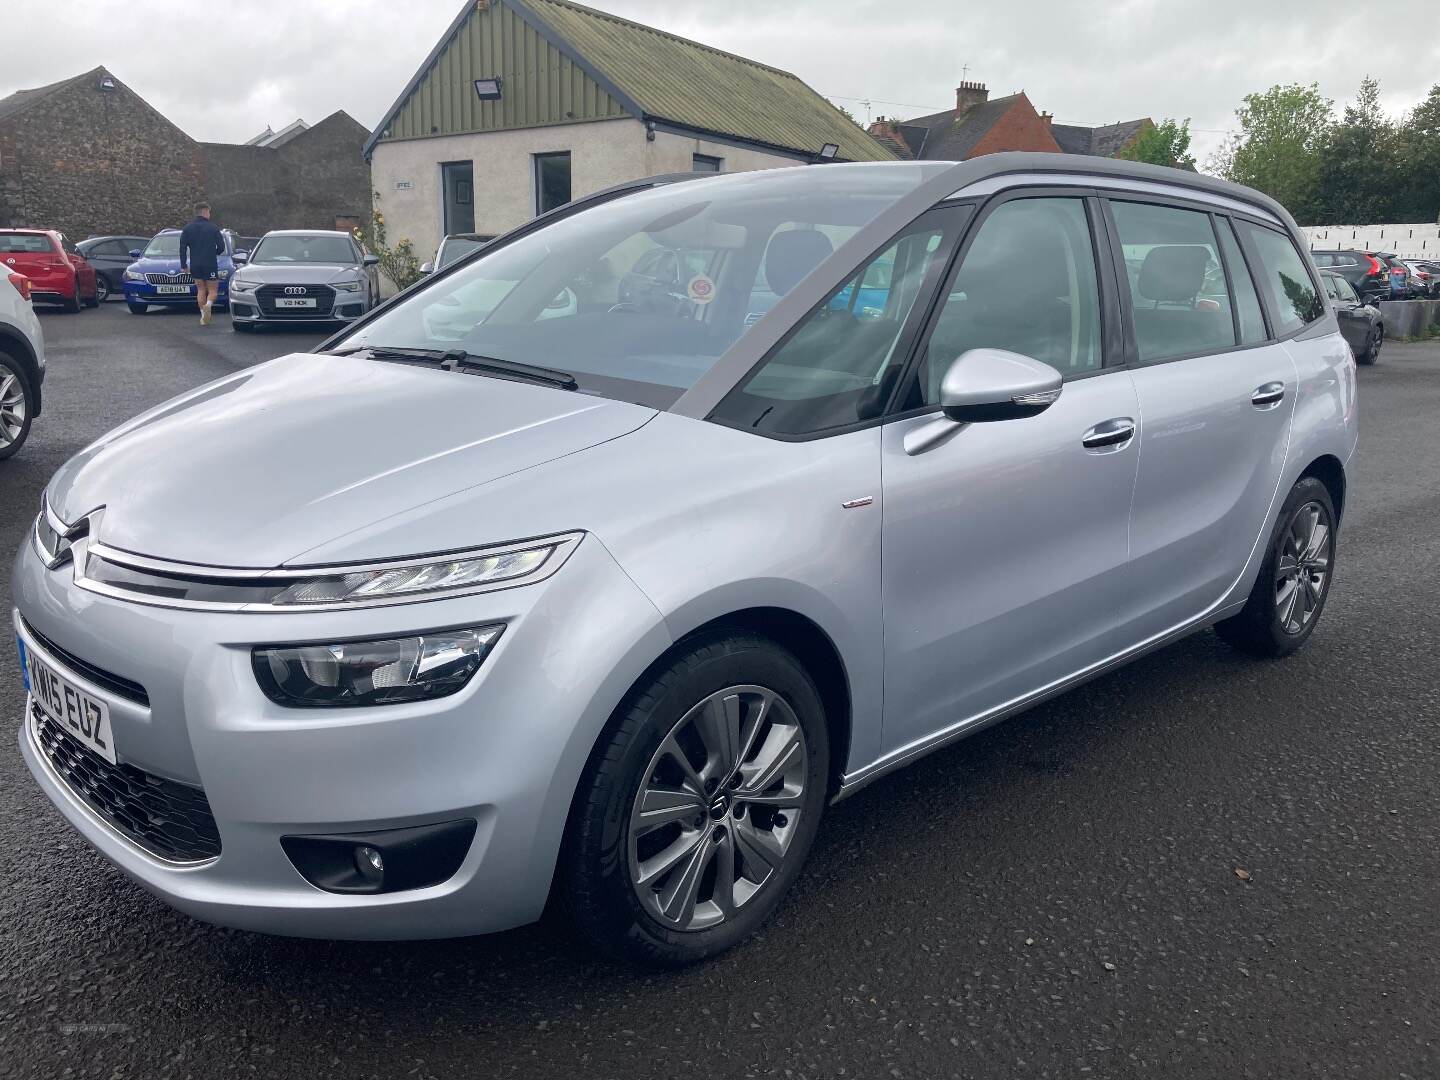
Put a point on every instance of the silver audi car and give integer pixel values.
(299, 275)
(475, 606)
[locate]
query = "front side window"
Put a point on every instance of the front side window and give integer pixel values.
(1028, 285)
(305, 249)
(1179, 298)
(552, 181)
(1292, 294)
(639, 296)
(1343, 291)
(841, 363)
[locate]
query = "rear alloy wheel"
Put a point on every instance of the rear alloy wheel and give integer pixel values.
(1372, 347)
(15, 411)
(700, 804)
(1294, 582)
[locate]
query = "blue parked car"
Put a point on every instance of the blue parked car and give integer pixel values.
(155, 277)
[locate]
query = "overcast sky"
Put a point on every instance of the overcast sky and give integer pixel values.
(225, 70)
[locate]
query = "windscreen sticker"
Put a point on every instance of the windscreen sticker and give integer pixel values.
(701, 289)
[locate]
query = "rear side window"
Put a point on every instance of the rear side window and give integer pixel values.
(1179, 296)
(26, 244)
(1292, 294)
(1242, 285)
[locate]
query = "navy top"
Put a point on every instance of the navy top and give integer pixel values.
(201, 245)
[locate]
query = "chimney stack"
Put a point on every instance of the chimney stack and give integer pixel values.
(1049, 119)
(970, 94)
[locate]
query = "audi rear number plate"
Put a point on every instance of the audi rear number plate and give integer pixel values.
(87, 719)
(182, 289)
(295, 301)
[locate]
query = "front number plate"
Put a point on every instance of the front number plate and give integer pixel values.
(87, 719)
(295, 301)
(183, 290)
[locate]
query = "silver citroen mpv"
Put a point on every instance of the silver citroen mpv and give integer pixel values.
(480, 603)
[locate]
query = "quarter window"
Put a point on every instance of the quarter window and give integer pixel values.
(1179, 298)
(1292, 294)
(1028, 285)
(1247, 300)
(841, 363)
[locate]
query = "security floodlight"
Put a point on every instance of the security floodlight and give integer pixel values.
(488, 89)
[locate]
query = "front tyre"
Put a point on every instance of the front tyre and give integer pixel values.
(137, 309)
(1289, 595)
(699, 804)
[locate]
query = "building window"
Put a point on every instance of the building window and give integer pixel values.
(552, 181)
(458, 185)
(706, 163)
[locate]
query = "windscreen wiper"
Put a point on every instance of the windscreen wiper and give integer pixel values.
(460, 360)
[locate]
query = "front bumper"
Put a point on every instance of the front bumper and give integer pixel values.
(507, 751)
(245, 307)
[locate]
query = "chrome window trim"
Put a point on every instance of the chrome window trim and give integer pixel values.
(564, 544)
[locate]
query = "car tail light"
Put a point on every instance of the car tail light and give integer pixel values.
(1374, 264)
(22, 285)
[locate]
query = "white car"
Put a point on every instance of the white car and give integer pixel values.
(22, 361)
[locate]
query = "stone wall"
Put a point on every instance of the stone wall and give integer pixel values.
(90, 161)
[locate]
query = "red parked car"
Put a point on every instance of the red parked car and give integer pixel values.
(58, 273)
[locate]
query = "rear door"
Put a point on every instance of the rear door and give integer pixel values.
(1216, 395)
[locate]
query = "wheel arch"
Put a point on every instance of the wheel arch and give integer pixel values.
(14, 345)
(1329, 471)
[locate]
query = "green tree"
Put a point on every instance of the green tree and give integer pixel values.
(1360, 175)
(398, 263)
(1417, 150)
(1283, 133)
(1165, 143)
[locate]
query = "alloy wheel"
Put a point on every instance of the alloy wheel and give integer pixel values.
(102, 289)
(718, 808)
(1302, 571)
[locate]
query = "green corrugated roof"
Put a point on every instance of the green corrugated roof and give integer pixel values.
(694, 85)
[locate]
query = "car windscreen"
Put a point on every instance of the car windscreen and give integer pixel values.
(332, 250)
(454, 248)
(26, 244)
(638, 297)
(164, 246)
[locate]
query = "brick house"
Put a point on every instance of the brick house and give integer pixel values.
(981, 125)
(89, 156)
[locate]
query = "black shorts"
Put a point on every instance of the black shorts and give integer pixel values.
(205, 275)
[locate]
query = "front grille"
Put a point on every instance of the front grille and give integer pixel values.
(167, 819)
(170, 279)
(323, 295)
(116, 684)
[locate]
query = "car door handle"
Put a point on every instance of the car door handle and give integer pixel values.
(1268, 396)
(1114, 434)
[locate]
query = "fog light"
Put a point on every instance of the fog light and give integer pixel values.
(370, 864)
(383, 861)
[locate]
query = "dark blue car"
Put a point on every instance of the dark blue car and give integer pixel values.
(155, 276)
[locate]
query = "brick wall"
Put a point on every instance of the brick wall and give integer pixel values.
(89, 161)
(1021, 128)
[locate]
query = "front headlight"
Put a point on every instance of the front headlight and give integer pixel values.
(346, 286)
(142, 580)
(222, 274)
(240, 284)
(134, 275)
(387, 672)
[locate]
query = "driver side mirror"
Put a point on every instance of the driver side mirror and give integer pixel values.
(985, 385)
(240, 257)
(372, 260)
(425, 268)
(992, 384)
(134, 253)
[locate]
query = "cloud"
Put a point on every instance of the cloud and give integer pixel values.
(224, 72)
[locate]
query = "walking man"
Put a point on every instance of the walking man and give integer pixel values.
(201, 245)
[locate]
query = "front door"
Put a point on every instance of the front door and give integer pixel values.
(458, 188)
(1216, 397)
(1004, 547)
